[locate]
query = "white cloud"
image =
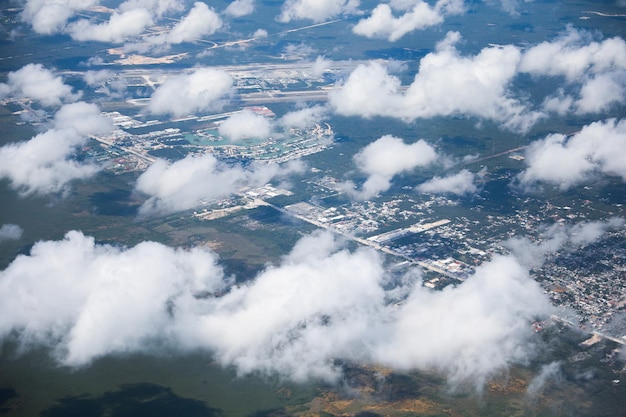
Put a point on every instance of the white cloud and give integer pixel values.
(104, 300)
(260, 33)
(567, 161)
(239, 8)
(460, 183)
(35, 82)
(88, 300)
(383, 24)
(50, 16)
(316, 10)
(157, 8)
(201, 90)
(574, 55)
(118, 29)
(354, 98)
(245, 124)
(200, 21)
(42, 165)
(386, 157)
(589, 232)
(598, 93)
(598, 67)
(10, 231)
(300, 119)
(96, 78)
(83, 117)
(532, 254)
(471, 331)
(183, 184)
(447, 84)
(320, 65)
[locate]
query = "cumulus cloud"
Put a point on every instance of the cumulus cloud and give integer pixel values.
(202, 89)
(10, 231)
(598, 67)
(87, 300)
(200, 21)
(460, 183)
(474, 329)
(316, 10)
(36, 82)
(245, 124)
(119, 27)
(320, 65)
(599, 93)
(447, 84)
(574, 55)
(599, 147)
(386, 157)
(300, 119)
(239, 8)
(104, 300)
(383, 24)
(42, 165)
(49, 17)
(184, 184)
(84, 118)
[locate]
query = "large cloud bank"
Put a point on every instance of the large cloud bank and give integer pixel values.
(322, 302)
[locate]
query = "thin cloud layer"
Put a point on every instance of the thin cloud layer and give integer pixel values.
(316, 10)
(105, 300)
(35, 82)
(10, 231)
(299, 119)
(460, 183)
(184, 184)
(447, 84)
(386, 157)
(201, 90)
(42, 165)
(563, 161)
(417, 15)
